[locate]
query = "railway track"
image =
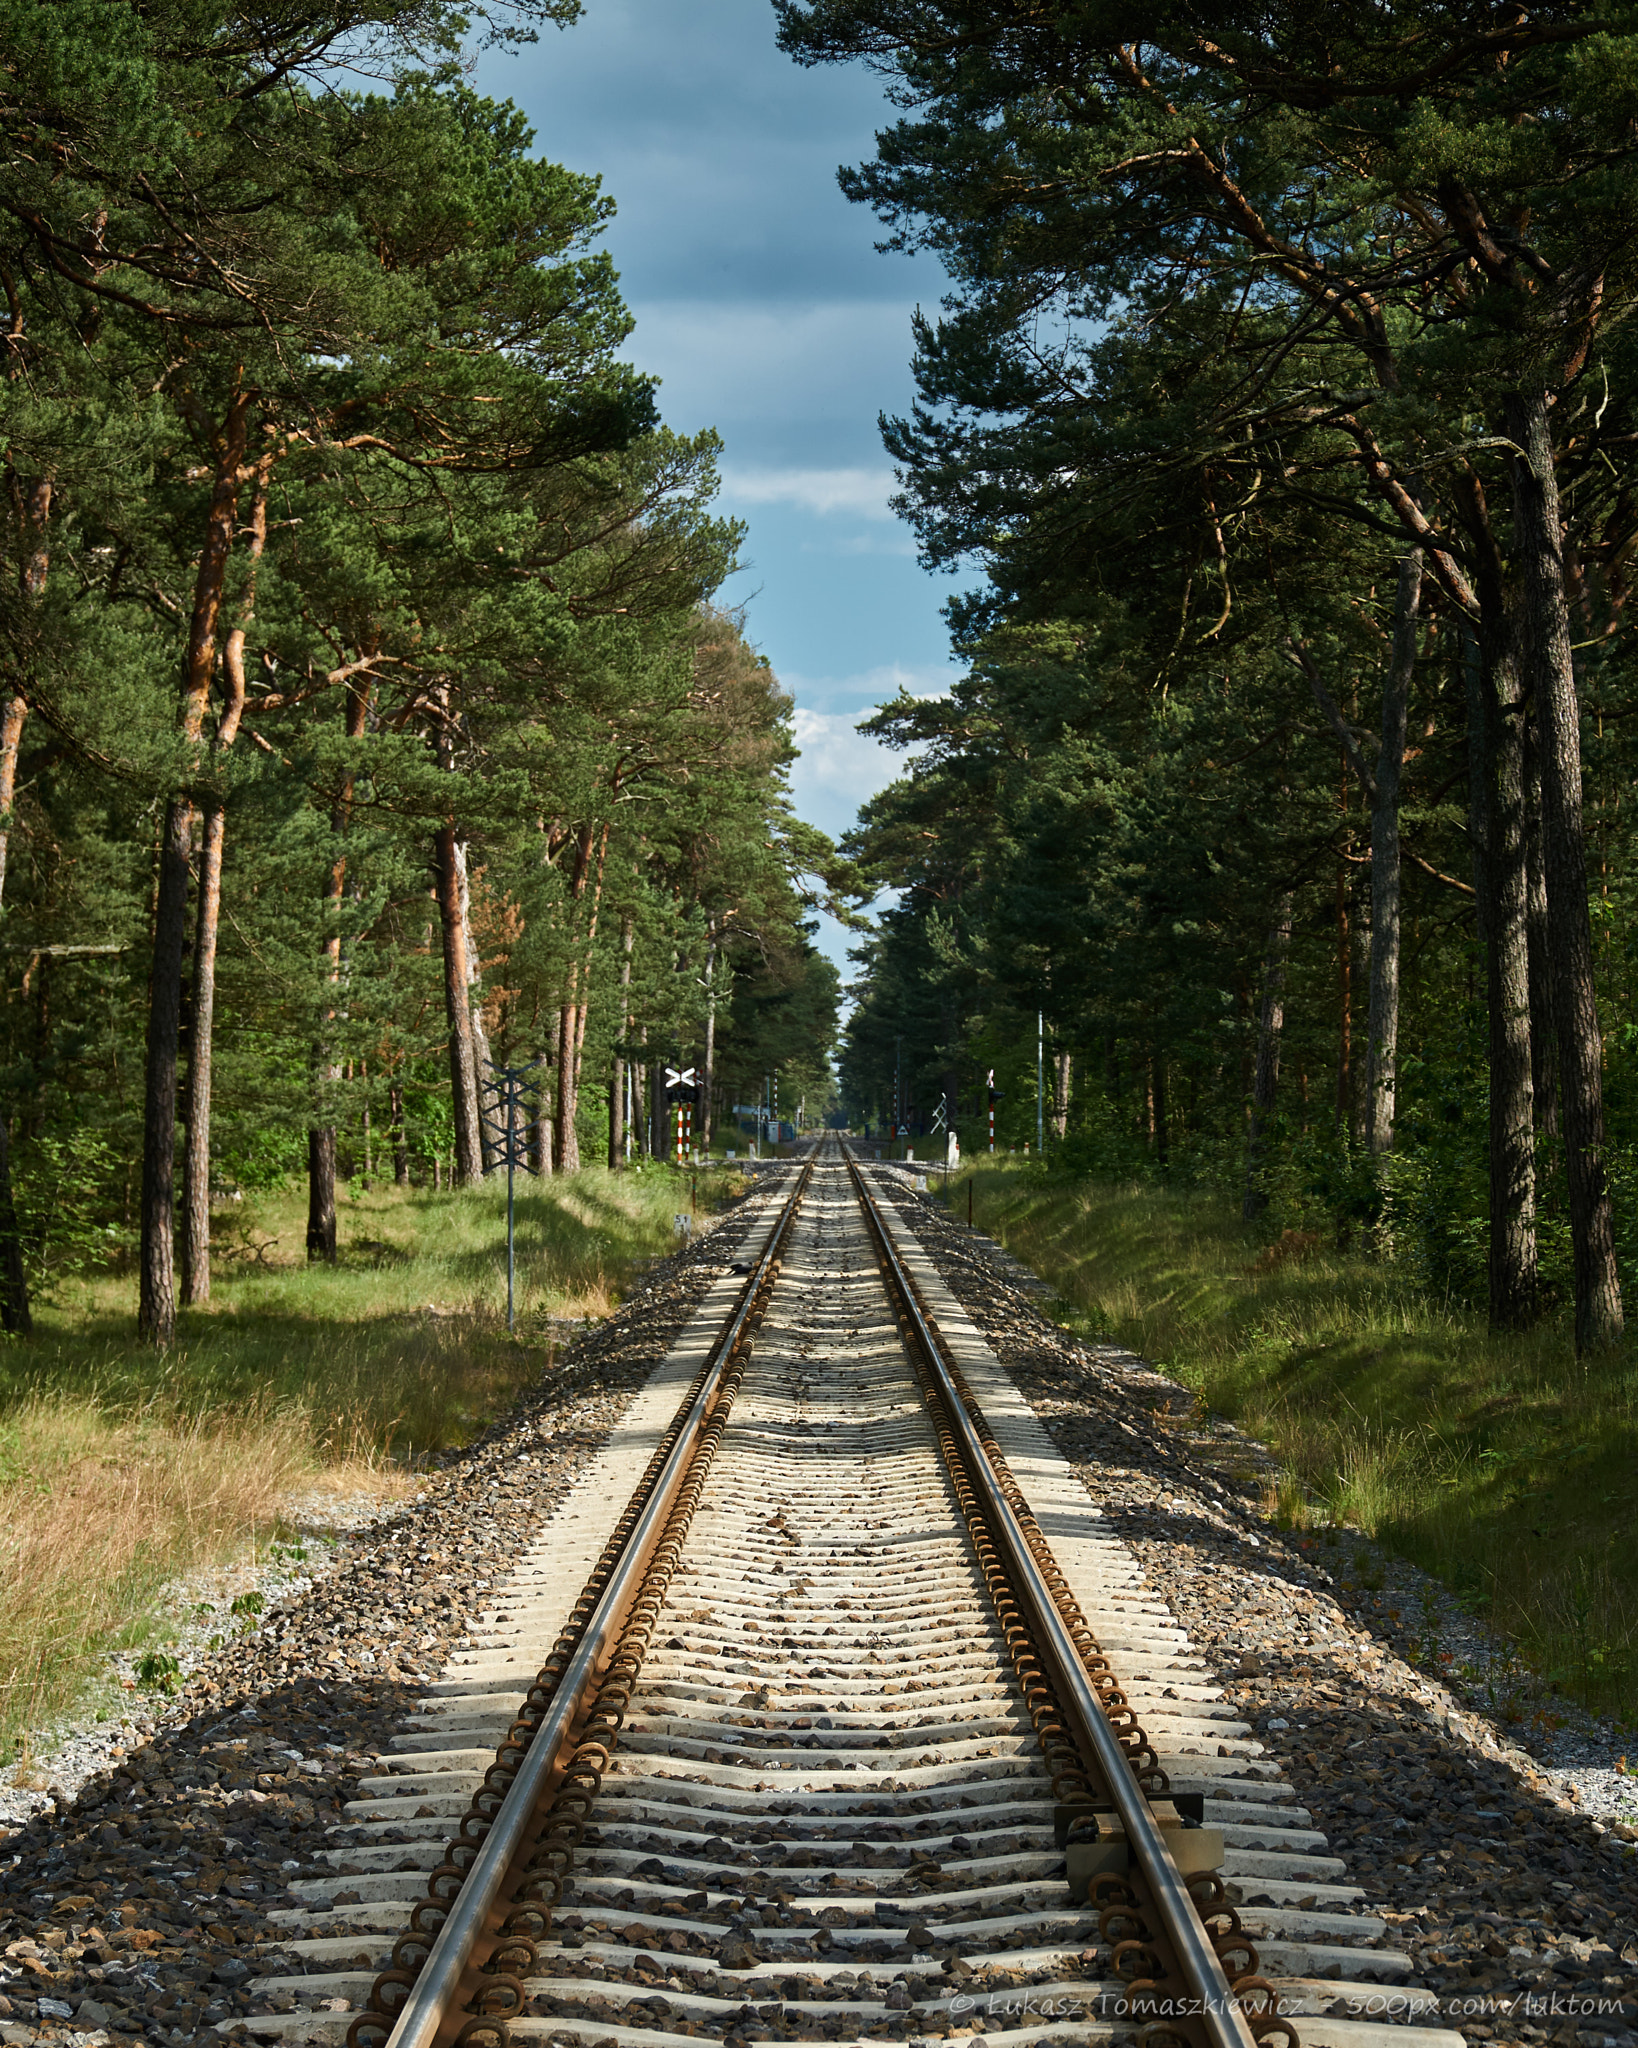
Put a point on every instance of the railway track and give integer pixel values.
(863, 1727)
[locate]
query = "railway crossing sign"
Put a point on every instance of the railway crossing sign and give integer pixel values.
(679, 1080)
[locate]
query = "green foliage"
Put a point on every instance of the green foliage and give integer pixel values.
(159, 1671)
(61, 1186)
(1481, 1458)
(338, 513)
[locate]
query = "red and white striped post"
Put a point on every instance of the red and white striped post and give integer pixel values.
(989, 1082)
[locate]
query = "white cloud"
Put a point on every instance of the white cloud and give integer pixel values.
(838, 760)
(867, 687)
(863, 493)
(839, 767)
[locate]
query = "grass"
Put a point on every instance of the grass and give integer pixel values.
(1501, 1464)
(122, 1469)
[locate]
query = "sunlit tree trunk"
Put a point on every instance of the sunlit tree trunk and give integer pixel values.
(195, 1231)
(483, 1059)
(467, 1164)
(1062, 1071)
(156, 1283)
(35, 551)
(12, 720)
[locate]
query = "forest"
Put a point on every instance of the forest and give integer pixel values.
(370, 721)
(1283, 401)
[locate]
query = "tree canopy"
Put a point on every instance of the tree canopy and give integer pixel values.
(1285, 396)
(370, 720)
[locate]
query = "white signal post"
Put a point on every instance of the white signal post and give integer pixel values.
(680, 1078)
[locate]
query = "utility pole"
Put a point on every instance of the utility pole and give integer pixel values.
(1040, 1064)
(506, 1123)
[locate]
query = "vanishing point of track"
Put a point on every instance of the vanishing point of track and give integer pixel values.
(862, 1727)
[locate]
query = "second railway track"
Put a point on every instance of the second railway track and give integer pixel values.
(827, 1794)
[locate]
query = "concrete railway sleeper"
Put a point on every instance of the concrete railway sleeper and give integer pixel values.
(856, 1673)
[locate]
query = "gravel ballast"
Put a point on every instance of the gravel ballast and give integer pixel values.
(136, 1904)
(1517, 1906)
(134, 1900)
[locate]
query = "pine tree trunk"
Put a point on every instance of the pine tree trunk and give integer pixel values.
(617, 1086)
(571, 1026)
(11, 742)
(195, 1231)
(708, 1072)
(1496, 805)
(196, 1152)
(1598, 1315)
(1062, 1069)
(156, 1286)
(1382, 1051)
(542, 1144)
(1266, 1081)
(467, 1164)
(1345, 977)
(566, 1135)
(1543, 1032)
(483, 1059)
(617, 1111)
(400, 1148)
(35, 539)
(321, 1138)
(321, 1194)
(1162, 1108)
(14, 1309)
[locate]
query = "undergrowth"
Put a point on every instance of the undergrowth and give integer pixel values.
(1500, 1463)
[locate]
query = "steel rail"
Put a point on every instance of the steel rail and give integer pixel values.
(1219, 2016)
(421, 2021)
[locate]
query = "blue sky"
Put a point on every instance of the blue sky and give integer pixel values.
(764, 308)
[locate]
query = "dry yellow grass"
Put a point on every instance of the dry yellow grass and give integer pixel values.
(97, 1514)
(123, 1469)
